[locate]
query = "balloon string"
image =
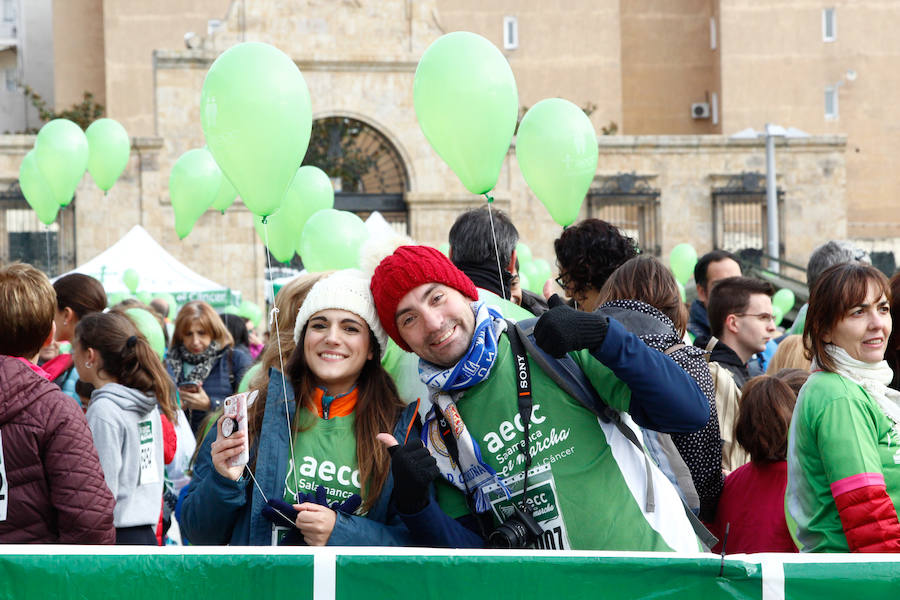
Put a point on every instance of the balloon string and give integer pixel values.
(496, 251)
(280, 354)
(47, 237)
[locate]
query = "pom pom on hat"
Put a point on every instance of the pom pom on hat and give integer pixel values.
(406, 269)
(345, 290)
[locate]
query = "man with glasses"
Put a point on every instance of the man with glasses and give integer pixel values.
(741, 320)
(740, 316)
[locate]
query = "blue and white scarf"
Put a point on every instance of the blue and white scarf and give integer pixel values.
(444, 387)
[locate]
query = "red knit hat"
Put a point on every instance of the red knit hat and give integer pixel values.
(406, 269)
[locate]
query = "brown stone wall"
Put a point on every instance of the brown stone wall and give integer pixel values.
(133, 29)
(667, 64)
(567, 50)
(78, 51)
(776, 66)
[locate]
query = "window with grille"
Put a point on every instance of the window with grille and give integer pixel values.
(23, 238)
(629, 202)
(739, 217)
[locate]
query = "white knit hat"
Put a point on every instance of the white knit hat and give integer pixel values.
(345, 290)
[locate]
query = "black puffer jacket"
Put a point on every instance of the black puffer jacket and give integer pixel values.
(56, 492)
(701, 450)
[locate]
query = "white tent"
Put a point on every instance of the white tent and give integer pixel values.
(158, 271)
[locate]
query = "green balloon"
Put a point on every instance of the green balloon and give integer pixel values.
(193, 184)
(145, 297)
(331, 239)
(467, 104)
(225, 197)
(524, 282)
(314, 191)
(150, 328)
(543, 272)
(682, 260)
(532, 275)
(784, 300)
(109, 149)
(230, 310)
(250, 310)
(309, 192)
(523, 252)
(256, 117)
(37, 192)
(445, 249)
(131, 279)
(778, 314)
(61, 150)
(556, 148)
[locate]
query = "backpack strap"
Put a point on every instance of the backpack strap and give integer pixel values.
(673, 349)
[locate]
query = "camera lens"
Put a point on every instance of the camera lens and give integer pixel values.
(511, 534)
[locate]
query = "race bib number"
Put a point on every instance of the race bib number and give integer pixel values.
(540, 498)
(4, 485)
(149, 472)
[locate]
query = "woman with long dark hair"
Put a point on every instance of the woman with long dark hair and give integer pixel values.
(131, 388)
(316, 471)
(203, 362)
(843, 459)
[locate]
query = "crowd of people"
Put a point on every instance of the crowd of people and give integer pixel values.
(606, 416)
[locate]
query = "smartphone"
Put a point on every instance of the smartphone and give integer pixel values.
(189, 387)
(235, 413)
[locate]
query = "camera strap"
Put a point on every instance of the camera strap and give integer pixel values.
(524, 400)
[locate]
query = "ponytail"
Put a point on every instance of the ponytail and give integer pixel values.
(127, 356)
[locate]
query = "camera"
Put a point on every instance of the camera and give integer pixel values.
(519, 530)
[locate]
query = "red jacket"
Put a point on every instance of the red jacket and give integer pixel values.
(55, 489)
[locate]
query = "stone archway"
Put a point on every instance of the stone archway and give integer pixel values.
(367, 169)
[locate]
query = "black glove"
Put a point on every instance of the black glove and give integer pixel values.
(283, 514)
(563, 329)
(414, 469)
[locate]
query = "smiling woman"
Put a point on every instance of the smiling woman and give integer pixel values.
(320, 475)
(843, 462)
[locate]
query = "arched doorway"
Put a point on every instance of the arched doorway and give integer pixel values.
(366, 169)
(364, 165)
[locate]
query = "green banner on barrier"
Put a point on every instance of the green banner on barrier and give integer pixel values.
(813, 581)
(156, 576)
(549, 577)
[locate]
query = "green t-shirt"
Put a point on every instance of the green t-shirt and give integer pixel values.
(587, 481)
(326, 456)
(837, 432)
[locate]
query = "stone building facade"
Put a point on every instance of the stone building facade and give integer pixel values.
(358, 59)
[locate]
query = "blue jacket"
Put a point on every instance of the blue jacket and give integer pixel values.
(218, 384)
(217, 510)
